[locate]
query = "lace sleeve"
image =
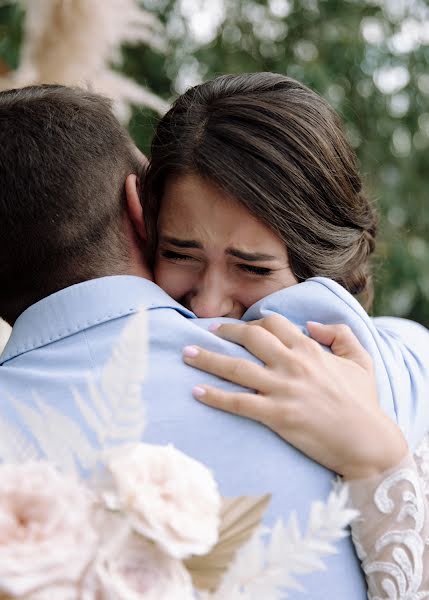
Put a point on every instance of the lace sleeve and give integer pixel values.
(391, 535)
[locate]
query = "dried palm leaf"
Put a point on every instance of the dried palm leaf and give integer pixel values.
(239, 519)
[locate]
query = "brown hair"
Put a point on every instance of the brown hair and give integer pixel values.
(63, 162)
(280, 150)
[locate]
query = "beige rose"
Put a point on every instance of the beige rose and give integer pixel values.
(131, 567)
(46, 536)
(171, 498)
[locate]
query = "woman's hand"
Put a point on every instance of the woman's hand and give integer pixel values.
(323, 404)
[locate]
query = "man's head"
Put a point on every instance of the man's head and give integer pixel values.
(64, 159)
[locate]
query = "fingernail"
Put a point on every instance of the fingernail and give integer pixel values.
(190, 351)
(214, 326)
(313, 323)
(198, 391)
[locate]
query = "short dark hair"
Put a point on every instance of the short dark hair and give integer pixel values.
(64, 159)
(280, 150)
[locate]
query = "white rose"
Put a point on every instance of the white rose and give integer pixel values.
(46, 534)
(130, 567)
(171, 498)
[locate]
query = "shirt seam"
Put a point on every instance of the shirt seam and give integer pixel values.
(88, 345)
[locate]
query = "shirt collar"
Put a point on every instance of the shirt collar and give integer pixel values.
(84, 305)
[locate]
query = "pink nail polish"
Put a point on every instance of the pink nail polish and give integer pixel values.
(190, 351)
(198, 391)
(214, 327)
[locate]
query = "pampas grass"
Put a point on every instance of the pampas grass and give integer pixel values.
(77, 42)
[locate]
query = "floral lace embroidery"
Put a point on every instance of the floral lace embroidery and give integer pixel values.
(421, 456)
(391, 538)
(413, 501)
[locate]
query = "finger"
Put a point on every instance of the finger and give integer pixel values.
(342, 342)
(258, 340)
(252, 406)
(237, 370)
(284, 330)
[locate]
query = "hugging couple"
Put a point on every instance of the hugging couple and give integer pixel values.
(250, 210)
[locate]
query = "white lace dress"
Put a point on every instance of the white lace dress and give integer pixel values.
(392, 533)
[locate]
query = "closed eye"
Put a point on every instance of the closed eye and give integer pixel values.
(261, 271)
(170, 254)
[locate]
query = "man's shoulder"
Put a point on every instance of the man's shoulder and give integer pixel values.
(80, 308)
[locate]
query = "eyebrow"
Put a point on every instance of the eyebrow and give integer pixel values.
(247, 256)
(182, 243)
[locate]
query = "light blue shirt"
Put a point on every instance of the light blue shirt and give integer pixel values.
(55, 342)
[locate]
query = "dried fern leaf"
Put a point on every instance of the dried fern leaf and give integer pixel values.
(122, 381)
(14, 445)
(239, 519)
(115, 416)
(115, 411)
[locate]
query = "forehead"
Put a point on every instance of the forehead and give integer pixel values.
(195, 208)
(194, 196)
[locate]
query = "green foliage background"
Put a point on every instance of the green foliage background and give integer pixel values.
(366, 57)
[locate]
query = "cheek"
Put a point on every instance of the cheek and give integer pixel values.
(250, 291)
(253, 290)
(174, 279)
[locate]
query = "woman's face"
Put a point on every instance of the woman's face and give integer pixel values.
(213, 256)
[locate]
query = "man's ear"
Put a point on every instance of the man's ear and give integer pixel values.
(135, 210)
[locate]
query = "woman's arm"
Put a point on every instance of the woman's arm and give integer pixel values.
(391, 534)
(326, 405)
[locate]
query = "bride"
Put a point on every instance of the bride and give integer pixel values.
(252, 188)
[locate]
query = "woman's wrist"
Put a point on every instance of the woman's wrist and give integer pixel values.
(359, 472)
(383, 455)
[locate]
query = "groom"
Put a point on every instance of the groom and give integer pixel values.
(73, 272)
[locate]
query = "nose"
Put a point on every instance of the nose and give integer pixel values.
(210, 298)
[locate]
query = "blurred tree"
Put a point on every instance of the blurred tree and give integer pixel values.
(368, 58)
